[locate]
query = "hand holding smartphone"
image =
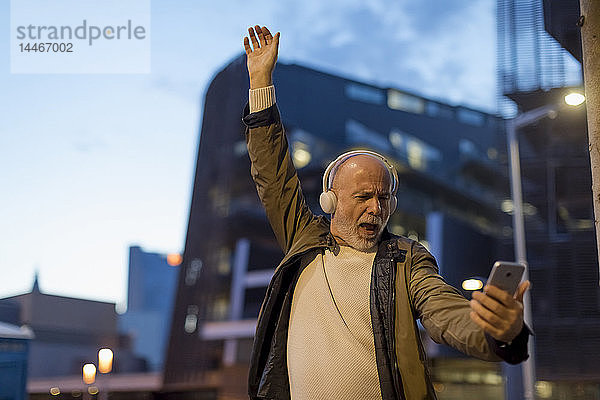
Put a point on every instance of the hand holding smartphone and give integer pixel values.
(506, 276)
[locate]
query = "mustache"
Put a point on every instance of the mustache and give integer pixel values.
(374, 220)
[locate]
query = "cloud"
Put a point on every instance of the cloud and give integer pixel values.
(445, 51)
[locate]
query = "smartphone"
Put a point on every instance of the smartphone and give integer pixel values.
(506, 275)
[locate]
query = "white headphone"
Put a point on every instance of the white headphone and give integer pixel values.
(328, 200)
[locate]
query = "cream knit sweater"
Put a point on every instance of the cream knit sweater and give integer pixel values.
(330, 349)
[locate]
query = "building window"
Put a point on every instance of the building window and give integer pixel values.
(219, 309)
(467, 147)
(439, 110)
(364, 93)
(471, 117)
(220, 199)
(401, 101)
(361, 135)
(191, 319)
(240, 148)
(223, 261)
(193, 271)
(417, 153)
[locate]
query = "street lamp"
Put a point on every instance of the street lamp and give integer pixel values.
(512, 127)
(472, 284)
(574, 98)
(89, 374)
(105, 360)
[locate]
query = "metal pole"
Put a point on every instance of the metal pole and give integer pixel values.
(528, 366)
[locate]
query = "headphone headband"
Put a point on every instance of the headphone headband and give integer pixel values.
(333, 166)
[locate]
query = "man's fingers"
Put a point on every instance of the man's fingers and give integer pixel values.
(261, 35)
(485, 325)
(247, 45)
(500, 295)
(521, 290)
(267, 33)
(486, 314)
(490, 303)
(253, 39)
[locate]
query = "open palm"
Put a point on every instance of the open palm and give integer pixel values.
(261, 56)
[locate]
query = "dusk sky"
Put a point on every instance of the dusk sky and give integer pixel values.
(93, 163)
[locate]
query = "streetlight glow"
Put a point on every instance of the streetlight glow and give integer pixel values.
(89, 373)
(574, 98)
(174, 259)
(472, 284)
(105, 360)
(301, 157)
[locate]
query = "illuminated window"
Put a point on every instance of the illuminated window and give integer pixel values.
(219, 309)
(416, 158)
(223, 261)
(492, 153)
(191, 319)
(417, 153)
(401, 101)
(193, 271)
(364, 93)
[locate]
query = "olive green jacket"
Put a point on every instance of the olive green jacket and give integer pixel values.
(419, 292)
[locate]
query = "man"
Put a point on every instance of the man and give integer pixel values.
(339, 317)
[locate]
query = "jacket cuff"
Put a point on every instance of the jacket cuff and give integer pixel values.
(265, 117)
(513, 352)
(261, 98)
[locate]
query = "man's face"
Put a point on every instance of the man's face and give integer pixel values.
(362, 186)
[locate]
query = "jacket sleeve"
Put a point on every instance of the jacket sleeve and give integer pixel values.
(444, 312)
(275, 176)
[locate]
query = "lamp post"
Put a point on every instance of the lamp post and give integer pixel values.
(89, 374)
(512, 126)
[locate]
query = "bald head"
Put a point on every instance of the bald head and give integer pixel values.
(363, 188)
(360, 166)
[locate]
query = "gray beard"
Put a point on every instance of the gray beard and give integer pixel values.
(349, 233)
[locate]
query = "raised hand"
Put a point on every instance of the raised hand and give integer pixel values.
(498, 313)
(262, 56)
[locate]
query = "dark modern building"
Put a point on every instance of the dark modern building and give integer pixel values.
(152, 280)
(539, 60)
(449, 159)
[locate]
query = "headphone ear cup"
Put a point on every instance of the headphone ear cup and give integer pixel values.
(328, 202)
(393, 204)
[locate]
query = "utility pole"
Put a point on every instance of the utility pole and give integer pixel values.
(590, 43)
